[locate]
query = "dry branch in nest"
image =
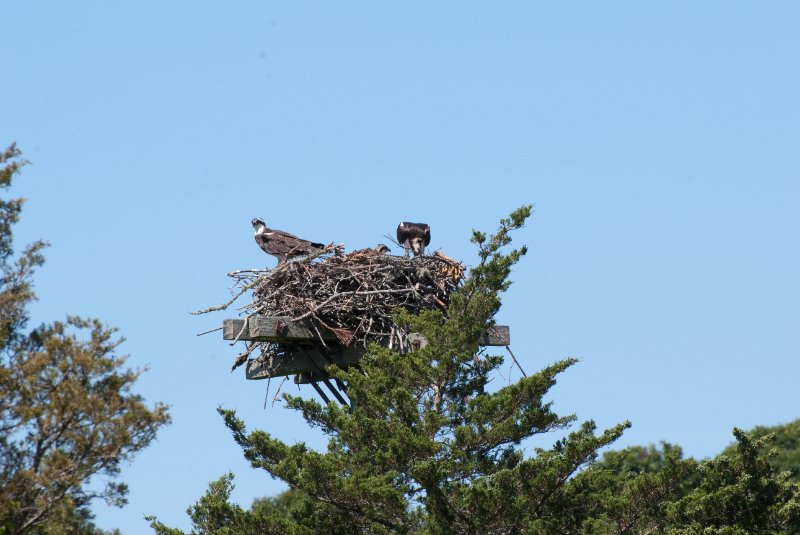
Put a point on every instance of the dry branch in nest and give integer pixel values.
(353, 295)
(350, 294)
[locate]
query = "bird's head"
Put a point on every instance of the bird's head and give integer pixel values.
(417, 245)
(382, 248)
(258, 224)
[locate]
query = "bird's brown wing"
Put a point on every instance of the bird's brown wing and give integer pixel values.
(298, 242)
(282, 244)
(270, 246)
(282, 233)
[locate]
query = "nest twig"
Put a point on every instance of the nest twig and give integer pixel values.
(352, 294)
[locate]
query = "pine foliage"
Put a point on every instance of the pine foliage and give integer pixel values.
(740, 493)
(430, 447)
(67, 412)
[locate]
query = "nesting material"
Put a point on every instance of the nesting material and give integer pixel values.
(353, 295)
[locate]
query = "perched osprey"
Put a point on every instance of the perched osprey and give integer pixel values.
(280, 244)
(413, 237)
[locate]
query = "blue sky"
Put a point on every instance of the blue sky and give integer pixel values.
(658, 141)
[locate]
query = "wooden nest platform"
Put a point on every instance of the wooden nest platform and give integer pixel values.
(325, 309)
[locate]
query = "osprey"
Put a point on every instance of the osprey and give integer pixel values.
(413, 237)
(280, 244)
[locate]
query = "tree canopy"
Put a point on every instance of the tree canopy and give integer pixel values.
(785, 445)
(429, 447)
(67, 410)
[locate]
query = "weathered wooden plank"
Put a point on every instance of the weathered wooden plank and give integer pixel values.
(305, 378)
(282, 329)
(231, 328)
(499, 335)
(299, 359)
(274, 329)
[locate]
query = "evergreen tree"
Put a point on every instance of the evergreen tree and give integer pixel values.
(66, 408)
(428, 448)
(785, 441)
(746, 489)
(740, 493)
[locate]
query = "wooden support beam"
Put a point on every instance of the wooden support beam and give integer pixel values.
(274, 329)
(299, 359)
(304, 378)
(282, 329)
(499, 335)
(303, 354)
(321, 393)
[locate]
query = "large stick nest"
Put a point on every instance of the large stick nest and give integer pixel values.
(354, 294)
